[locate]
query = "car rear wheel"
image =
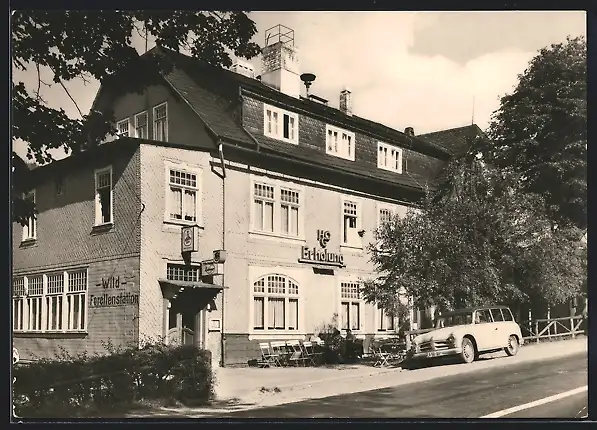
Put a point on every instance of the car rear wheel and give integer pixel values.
(512, 348)
(468, 350)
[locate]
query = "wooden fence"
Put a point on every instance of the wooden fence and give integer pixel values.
(549, 328)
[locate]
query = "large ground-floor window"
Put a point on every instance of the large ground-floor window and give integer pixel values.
(351, 305)
(385, 321)
(275, 303)
(50, 302)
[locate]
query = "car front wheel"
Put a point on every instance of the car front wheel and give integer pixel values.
(512, 348)
(468, 350)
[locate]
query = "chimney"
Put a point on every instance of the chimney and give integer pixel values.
(280, 61)
(346, 101)
(409, 131)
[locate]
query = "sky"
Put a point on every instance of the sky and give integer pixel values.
(426, 70)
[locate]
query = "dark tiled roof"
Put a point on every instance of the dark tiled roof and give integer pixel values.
(214, 94)
(109, 148)
(210, 88)
(456, 140)
(315, 156)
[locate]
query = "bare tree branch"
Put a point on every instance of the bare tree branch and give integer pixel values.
(39, 82)
(70, 97)
(214, 13)
(139, 32)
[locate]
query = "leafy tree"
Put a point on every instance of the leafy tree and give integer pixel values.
(85, 45)
(540, 131)
(477, 240)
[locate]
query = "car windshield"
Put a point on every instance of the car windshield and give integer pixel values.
(454, 320)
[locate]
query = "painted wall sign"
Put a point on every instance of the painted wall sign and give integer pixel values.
(323, 237)
(113, 300)
(321, 256)
(189, 239)
(111, 282)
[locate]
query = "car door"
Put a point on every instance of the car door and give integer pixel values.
(510, 325)
(483, 329)
(500, 328)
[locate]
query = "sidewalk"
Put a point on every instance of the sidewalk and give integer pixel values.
(248, 388)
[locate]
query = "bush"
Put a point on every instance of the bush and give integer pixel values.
(72, 386)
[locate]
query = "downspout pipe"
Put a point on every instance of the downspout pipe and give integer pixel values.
(223, 335)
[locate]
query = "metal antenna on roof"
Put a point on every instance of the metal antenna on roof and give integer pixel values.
(473, 116)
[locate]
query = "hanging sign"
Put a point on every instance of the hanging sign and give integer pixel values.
(189, 240)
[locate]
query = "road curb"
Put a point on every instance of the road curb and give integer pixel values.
(308, 384)
(370, 381)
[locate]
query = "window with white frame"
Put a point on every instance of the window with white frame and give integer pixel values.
(30, 229)
(35, 292)
(53, 302)
(19, 318)
(385, 213)
(280, 124)
(275, 303)
(350, 223)
(350, 305)
(104, 196)
(276, 209)
(339, 142)
(123, 128)
(160, 122)
(183, 192)
(289, 211)
(182, 272)
(141, 125)
(263, 204)
(76, 300)
(389, 157)
(385, 321)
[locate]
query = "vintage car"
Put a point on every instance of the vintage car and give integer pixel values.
(468, 333)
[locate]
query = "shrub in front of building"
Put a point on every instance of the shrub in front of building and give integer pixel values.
(113, 384)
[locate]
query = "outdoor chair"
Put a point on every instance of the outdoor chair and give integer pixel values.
(313, 357)
(380, 357)
(268, 358)
(296, 352)
(279, 348)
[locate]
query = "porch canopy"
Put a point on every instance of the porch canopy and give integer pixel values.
(171, 289)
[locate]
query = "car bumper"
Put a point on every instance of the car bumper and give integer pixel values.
(437, 353)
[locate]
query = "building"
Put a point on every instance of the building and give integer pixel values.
(272, 196)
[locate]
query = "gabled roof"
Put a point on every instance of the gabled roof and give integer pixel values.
(456, 140)
(108, 149)
(214, 94)
(213, 90)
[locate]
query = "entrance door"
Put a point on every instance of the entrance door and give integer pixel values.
(189, 328)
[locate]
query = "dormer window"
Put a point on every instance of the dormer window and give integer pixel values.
(280, 124)
(389, 157)
(339, 142)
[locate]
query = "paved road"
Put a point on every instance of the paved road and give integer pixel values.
(469, 395)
